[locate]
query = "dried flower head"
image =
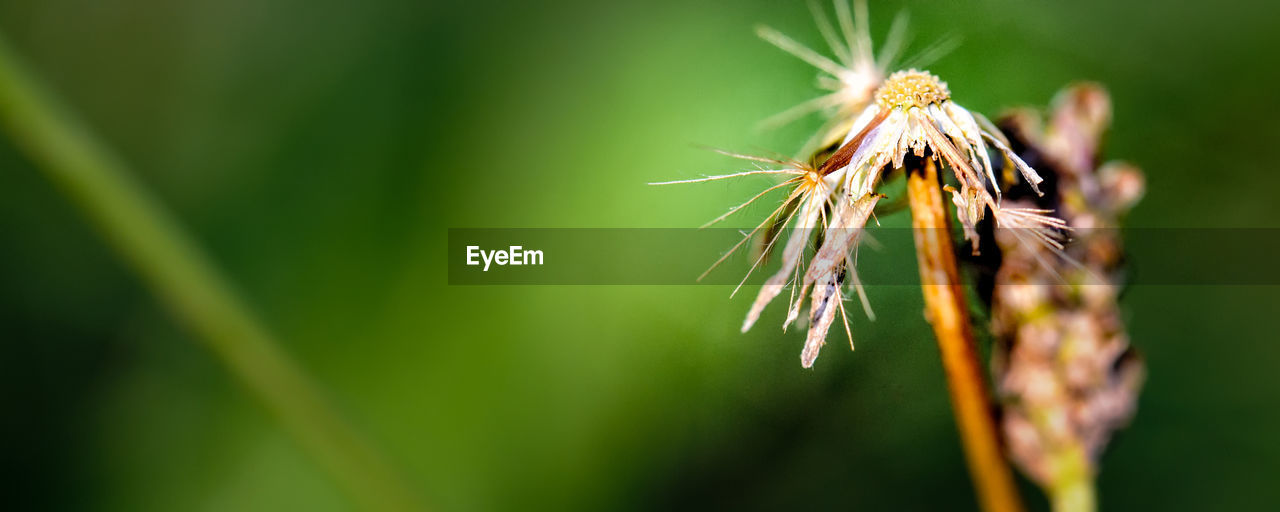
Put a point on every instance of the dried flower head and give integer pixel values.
(879, 120)
(913, 111)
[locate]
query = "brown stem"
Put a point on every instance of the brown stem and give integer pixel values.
(947, 312)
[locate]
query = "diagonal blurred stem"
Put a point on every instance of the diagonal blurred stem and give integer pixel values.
(188, 285)
(947, 312)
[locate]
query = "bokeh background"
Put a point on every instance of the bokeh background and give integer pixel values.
(320, 149)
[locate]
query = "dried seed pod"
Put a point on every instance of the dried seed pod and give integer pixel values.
(1065, 372)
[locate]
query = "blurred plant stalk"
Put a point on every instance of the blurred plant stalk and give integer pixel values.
(948, 313)
(188, 285)
(1065, 372)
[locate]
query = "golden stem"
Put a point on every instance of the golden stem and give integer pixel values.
(947, 312)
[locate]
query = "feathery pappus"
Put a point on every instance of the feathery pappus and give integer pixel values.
(853, 76)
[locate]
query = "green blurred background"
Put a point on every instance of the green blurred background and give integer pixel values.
(319, 150)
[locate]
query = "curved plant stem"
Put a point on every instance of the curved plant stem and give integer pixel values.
(175, 269)
(947, 312)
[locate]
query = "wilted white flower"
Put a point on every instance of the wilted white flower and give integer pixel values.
(912, 111)
(878, 120)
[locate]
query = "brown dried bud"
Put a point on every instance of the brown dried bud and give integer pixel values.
(1064, 369)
